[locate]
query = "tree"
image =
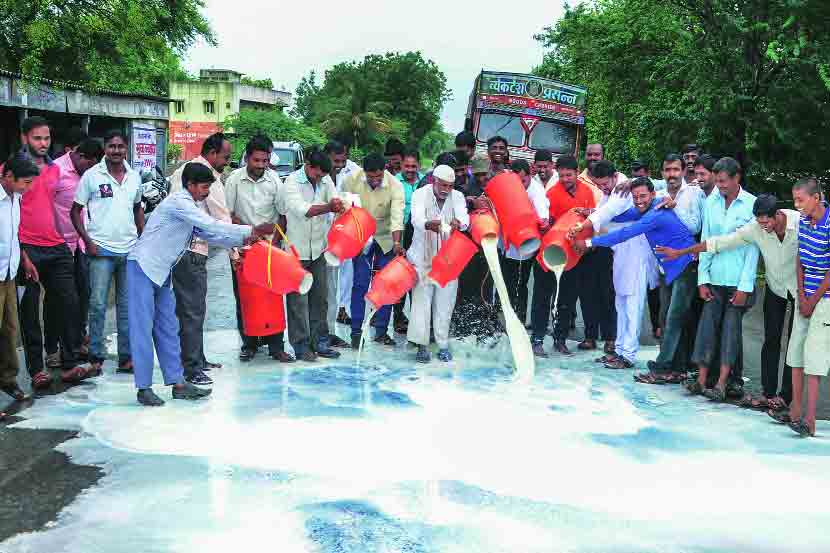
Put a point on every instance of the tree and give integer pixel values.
(262, 83)
(132, 45)
(380, 96)
(273, 123)
(744, 79)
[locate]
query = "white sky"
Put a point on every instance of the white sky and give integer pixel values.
(283, 40)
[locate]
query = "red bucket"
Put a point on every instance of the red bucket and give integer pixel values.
(263, 312)
(517, 216)
(392, 282)
(287, 273)
(556, 249)
(452, 258)
(348, 235)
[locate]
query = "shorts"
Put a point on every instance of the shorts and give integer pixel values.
(810, 340)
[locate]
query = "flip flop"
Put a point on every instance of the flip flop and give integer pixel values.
(777, 403)
(606, 358)
(715, 394)
(756, 403)
(801, 429)
(695, 388)
(674, 378)
(649, 378)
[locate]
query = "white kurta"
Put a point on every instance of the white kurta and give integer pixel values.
(340, 278)
(635, 270)
(431, 303)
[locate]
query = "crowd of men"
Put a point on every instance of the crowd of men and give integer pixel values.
(686, 246)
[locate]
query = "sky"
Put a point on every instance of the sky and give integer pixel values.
(285, 40)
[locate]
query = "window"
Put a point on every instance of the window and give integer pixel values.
(227, 105)
(556, 137)
(179, 106)
(497, 124)
(209, 106)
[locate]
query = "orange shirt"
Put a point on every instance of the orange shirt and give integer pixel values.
(561, 201)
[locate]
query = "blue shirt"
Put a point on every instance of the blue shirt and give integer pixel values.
(662, 227)
(733, 267)
(408, 189)
(814, 252)
(168, 233)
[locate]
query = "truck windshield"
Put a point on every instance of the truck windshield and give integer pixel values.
(497, 124)
(556, 137)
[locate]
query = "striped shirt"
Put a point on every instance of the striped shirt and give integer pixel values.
(170, 229)
(814, 252)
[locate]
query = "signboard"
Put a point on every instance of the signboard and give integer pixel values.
(144, 148)
(533, 88)
(531, 107)
(190, 136)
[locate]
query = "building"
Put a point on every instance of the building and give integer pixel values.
(143, 118)
(198, 108)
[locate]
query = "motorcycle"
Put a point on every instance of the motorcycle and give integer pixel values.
(154, 188)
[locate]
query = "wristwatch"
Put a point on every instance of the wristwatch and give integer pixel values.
(588, 243)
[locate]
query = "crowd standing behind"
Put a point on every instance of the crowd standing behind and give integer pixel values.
(685, 246)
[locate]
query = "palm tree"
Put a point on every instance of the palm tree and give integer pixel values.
(355, 114)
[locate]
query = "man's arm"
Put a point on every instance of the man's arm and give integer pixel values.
(230, 198)
(29, 268)
(208, 228)
(138, 217)
(459, 208)
(80, 228)
(396, 215)
(749, 271)
(746, 235)
(705, 259)
(637, 228)
(417, 214)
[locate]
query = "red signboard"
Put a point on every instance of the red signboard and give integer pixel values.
(190, 136)
(529, 103)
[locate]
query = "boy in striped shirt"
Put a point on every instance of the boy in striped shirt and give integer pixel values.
(810, 340)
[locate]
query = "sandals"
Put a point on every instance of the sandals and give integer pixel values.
(715, 394)
(777, 403)
(76, 374)
(41, 380)
(606, 358)
(649, 378)
(619, 363)
(781, 417)
(695, 388)
(14, 391)
(802, 429)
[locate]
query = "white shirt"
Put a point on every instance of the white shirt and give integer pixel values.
(255, 201)
(110, 221)
(307, 234)
(548, 185)
(214, 205)
(689, 208)
(426, 243)
(630, 257)
(541, 204)
(9, 239)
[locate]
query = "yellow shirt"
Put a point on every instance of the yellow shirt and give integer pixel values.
(385, 203)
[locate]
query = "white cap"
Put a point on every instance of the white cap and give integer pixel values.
(444, 172)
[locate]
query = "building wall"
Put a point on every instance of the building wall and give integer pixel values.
(224, 95)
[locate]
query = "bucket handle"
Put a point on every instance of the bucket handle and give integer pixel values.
(278, 229)
(357, 224)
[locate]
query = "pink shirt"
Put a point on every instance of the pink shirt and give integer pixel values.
(37, 209)
(64, 198)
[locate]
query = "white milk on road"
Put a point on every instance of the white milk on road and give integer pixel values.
(364, 330)
(519, 340)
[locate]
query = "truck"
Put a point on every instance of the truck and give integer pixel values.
(530, 112)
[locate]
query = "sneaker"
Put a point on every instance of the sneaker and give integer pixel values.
(41, 380)
(337, 342)
(148, 398)
(190, 392)
(199, 378)
(539, 350)
(587, 345)
(385, 340)
(54, 360)
(423, 355)
(445, 355)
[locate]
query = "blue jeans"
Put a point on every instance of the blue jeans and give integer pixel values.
(364, 266)
(153, 321)
(101, 270)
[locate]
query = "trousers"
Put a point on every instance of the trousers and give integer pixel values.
(365, 265)
(775, 313)
(53, 319)
(629, 320)
(56, 268)
(435, 304)
(676, 298)
(102, 269)
(720, 329)
(596, 295)
(153, 325)
(9, 365)
(307, 313)
(190, 289)
(516, 274)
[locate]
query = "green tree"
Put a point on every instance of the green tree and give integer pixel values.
(273, 123)
(130, 45)
(262, 83)
(378, 97)
(746, 79)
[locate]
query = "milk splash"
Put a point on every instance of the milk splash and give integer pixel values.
(519, 340)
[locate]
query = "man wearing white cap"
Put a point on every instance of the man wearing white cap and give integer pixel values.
(436, 211)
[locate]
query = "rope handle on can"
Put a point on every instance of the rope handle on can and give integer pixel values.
(277, 229)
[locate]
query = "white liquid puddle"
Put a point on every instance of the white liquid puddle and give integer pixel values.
(364, 330)
(519, 340)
